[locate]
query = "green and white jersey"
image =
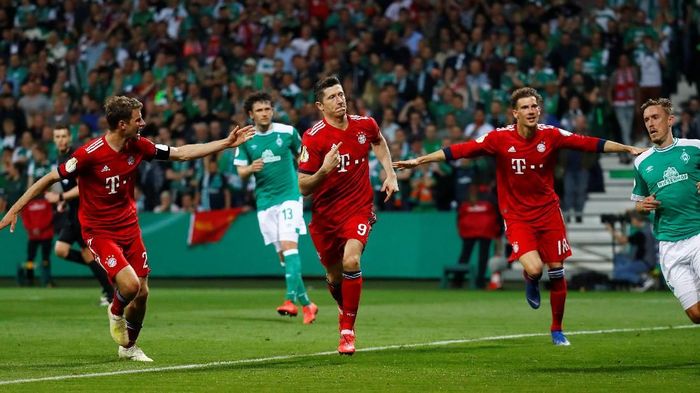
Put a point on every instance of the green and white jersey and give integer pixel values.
(671, 174)
(277, 181)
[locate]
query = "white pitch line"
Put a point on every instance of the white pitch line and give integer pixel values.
(371, 349)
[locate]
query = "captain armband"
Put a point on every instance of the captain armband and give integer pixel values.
(162, 152)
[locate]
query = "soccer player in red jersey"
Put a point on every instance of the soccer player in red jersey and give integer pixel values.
(333, 167)
(106, 169)
(526, 153)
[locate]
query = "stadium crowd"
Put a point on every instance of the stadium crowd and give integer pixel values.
(431, 72)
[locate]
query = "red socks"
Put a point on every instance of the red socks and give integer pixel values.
(351, 290)
(118, 303)
(557, 296)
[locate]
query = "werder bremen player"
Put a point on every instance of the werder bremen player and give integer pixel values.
(667, 181)
(270, 157)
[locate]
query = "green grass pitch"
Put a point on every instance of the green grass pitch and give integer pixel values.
(410, 337)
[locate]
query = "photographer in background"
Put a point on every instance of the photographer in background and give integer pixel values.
(634, 265)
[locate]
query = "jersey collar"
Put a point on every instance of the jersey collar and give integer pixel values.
(669, 147)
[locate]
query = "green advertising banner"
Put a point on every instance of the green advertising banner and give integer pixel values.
(402, 245)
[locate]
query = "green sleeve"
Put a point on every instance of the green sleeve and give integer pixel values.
(295, 146)
(640, 190)
(241, 156)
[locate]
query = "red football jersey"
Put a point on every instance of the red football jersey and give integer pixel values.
(346, 191)
(525, 167)
(106, 180)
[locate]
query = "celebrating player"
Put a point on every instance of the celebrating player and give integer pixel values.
(270, 157)
(106, 169)
(525, 157)
(333, 167)
(667, 181)
(70, 232)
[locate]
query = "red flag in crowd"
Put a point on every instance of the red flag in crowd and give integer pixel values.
(210, 227)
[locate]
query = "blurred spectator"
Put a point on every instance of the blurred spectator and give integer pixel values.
(166, 204)
(576, 169)
(478, 223)
(686, 127)
(213, 192)
(635, 263)
(37, 219)
(624, 93)
(479, 127)
(650, 60)
(39, 165)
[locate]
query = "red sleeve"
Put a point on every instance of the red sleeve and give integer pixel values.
(483, 145)
(74, 165)
(567, 140)
(146, 147)
(374, 131)
(310, 159)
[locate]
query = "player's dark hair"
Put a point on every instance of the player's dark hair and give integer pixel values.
(61, 126)
(665, 103)
(524, 92)
(323, 84)
(118, 108)
(259, 96)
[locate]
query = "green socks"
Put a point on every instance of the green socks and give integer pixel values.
(295, 284)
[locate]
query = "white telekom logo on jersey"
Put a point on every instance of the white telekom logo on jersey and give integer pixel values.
(519, 165)
(112, 183)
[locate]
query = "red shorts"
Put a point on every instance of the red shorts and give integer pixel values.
(547, 236)
(116, 254)
(330, 242)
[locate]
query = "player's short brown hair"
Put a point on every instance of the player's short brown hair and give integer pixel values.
(524, 92)
(323, 84)
(665, 103)
(118, 108)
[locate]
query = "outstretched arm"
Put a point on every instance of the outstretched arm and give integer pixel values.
(309, 183)
(391, 184)
(32, 192)
(55, 197)
(198, 150)
(614, 147)
(435, 156)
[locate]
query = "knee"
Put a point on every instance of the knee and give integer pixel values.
(694, 313)
(351, 263)
(534, 271)
(61, 252)
(142, 296)
(130, 289)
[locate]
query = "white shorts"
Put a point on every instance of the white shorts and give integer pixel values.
(680, 264)
(282, 222)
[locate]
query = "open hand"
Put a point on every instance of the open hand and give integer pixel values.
(406, 164)
(9, 219)
(238, 135)
(390, 186)
(635, 151)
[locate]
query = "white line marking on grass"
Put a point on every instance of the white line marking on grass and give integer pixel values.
(317, 354)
